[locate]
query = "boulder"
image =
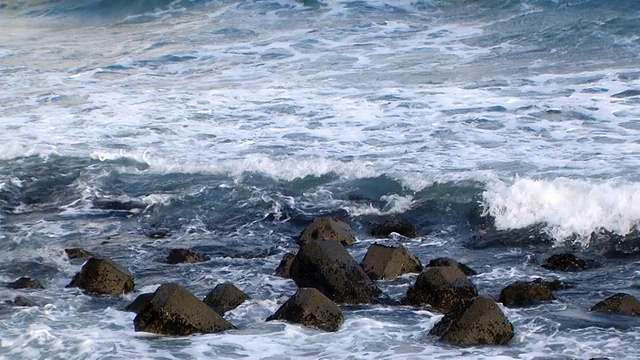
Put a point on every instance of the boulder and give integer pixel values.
(23, 301)
(451, 262)
(225, 297)
(523, 293)
(442, 287)
(620, 303)
(328, 267)
(327, 228)
(177, 256)
(310, 307)
(78, 253)
(139, 303)
(285, 266)
(173, 310)
(565, 262)
(25, 283)
(554, 285)
(388, 262)
(477, 321)
(395, 225)
(103, 276)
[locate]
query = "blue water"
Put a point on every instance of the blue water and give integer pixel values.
(230, 125)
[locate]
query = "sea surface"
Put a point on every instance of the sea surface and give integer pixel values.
(229, 125)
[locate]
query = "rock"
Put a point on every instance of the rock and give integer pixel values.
(442, 287)
(328, 267)
(103, 276)
(225, 297)
(451, 262)
(78, 253)
(388, 262)
(565, 262)
(178, 256)
(310, 307)
(620, 303)
(285, 266)
(327, 228)
(139, 303)
(23, 301)
(395, 225)
(476, 321)
(554, 284)
(522, 293)
(173, 310)
(25, 283)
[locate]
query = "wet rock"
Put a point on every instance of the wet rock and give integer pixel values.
(620, 303)
(627, 93)
(157, 233)
(103, 276)
(328, 267)
(395, 225)
(327, 228)
(486, 235)
(522, 293)
(442, 287)
(139, 303)
(565, 262)
(23, 301)
(78, 253)
(554, 285)
(477, 321)
(388, 262)
(451, 262)
(25, 283)
(611, 244)
(177, 256)
(173, 310)
(283, 269)
(310, 307)
(225, 297)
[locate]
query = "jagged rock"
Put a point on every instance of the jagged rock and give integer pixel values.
(310, 307)
(103, 276)
(25, 283)
(225, 297)
(283, 269)
(139, 303)
(486, 235)
(177, 256)
(23, 301)
(476, 321)
(451, 262)
(327, 228)
(328, 267)
(395, 225)
(619, 303)
(78, 253)
(565, 262)
(388, 262)
(554, 284)
(522, 293)
(442, 287)
(173, 310)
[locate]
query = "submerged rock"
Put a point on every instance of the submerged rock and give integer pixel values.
(25, 283)
(327, 228)
(553, 285)
(442, 287)
(388, 262)
(620, 303)
(225, 297)
(565, 262)
(284, 267)
(522, 293)
(173, 310)
(451, 262)
(177, 256)
(310, 307)
(103, 276)
(477, 321)
(139, 303)
(78, 253)
(23, 301)
(395, 225)
(328, 267)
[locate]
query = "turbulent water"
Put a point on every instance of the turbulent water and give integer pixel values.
(230, 125)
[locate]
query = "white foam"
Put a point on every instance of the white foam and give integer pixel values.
(395, 204)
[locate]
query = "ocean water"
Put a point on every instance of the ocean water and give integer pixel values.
(231, 124)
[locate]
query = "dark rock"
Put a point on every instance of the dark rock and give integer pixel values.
(23, 301)
(328, 267)
(25, 283)
(620, 303)
(477, 321)
(554, 284)
(487, 236)
(627, 93)
(157, 233)
(285, 266)
(442, 287)
(178, 256)
(78, 253)
(565, 262)
(388, 262)
(310, 307)
(103, 276)
(611, 244)
(395, 225)
(225, 297)
(139, 303)
(451, 262)
(173, 310)
(522, 293)
(327, 228)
